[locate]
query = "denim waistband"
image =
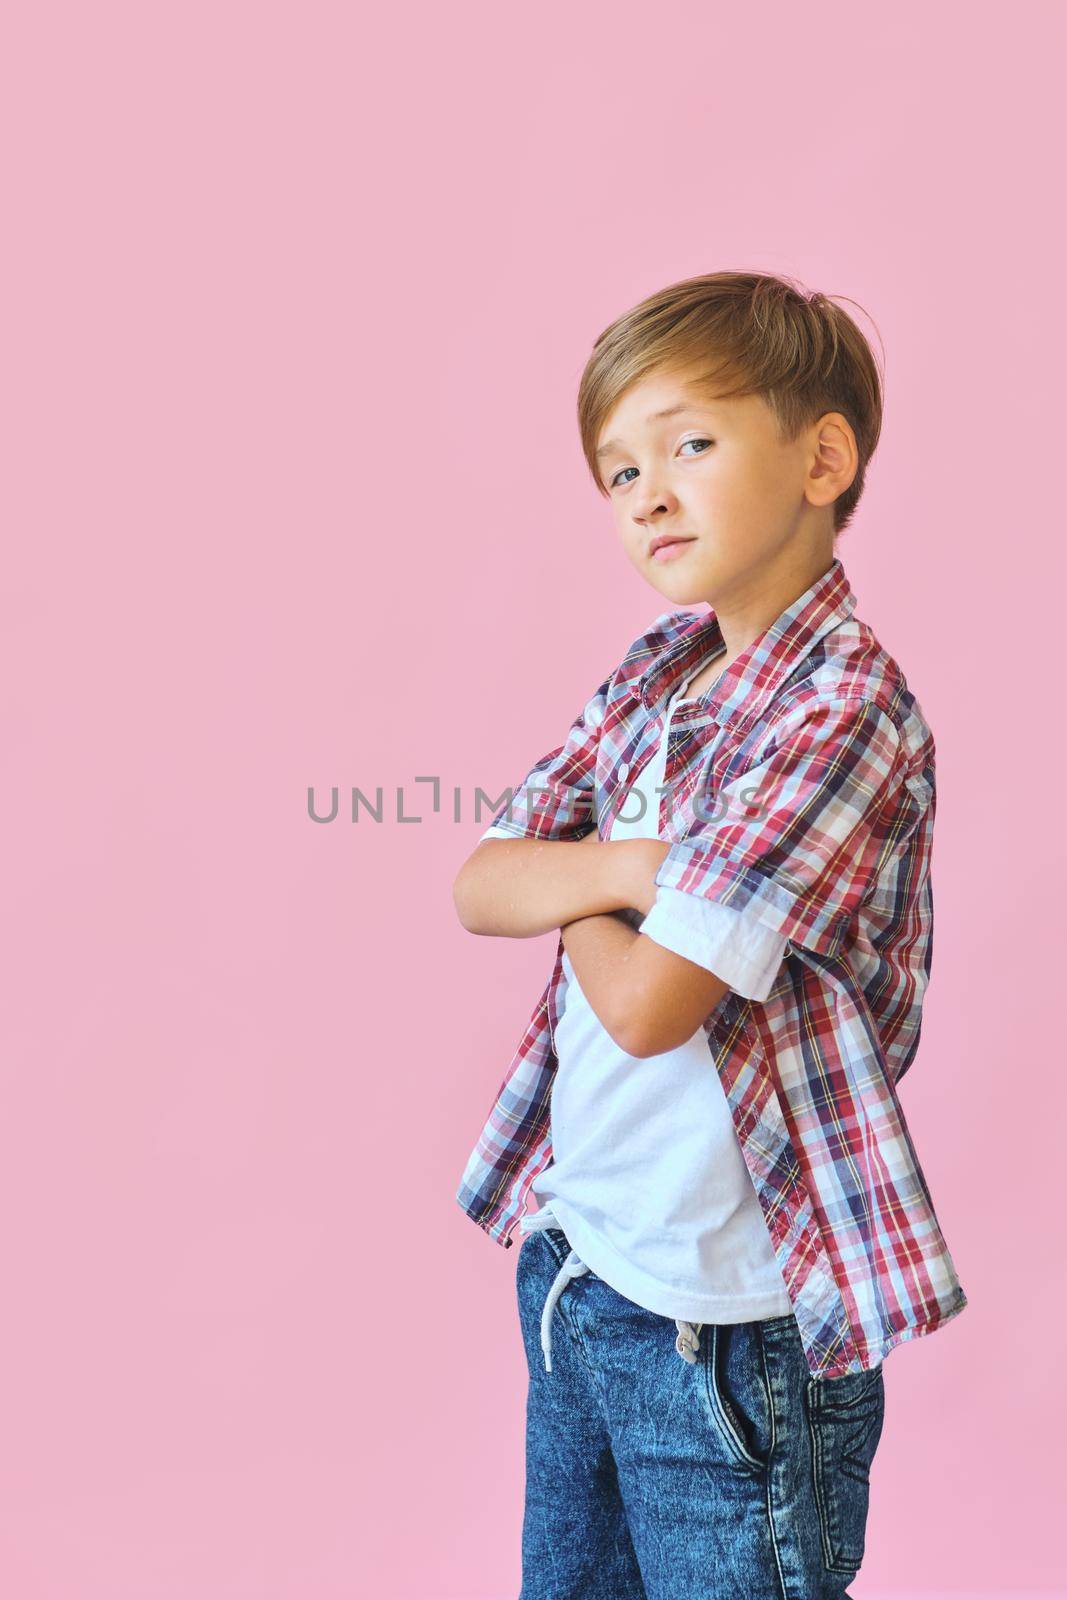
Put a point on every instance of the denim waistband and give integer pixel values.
(687, 1342)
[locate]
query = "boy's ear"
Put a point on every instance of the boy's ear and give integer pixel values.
(835, 459)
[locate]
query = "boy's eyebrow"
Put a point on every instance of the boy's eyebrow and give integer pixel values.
(655, 416)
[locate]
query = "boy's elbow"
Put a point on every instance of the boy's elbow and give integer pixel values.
(636, 1022)
(667, 999)
(472, 894)
(464, 902)
(632, 1030)
(637, 1041)
(651, 1030)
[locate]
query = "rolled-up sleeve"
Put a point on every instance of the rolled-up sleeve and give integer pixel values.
(797, 837)
(733, 944)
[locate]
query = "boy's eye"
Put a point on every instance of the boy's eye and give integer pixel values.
(619, 474)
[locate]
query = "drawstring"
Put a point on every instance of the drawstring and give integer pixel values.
(573, 1267)
(687, 1343)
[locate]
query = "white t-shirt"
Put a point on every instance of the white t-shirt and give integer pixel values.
(647, 1179)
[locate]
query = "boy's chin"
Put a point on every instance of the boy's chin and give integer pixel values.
(681, 590)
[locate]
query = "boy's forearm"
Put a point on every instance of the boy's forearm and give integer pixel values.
(517, 888)
(599, 948)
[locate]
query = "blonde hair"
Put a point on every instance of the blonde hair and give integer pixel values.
(741, 333)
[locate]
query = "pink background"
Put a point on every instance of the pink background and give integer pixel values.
(296, 302)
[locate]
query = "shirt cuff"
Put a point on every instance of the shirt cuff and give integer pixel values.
(735, 945)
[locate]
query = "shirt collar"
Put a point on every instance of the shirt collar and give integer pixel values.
(751, 682)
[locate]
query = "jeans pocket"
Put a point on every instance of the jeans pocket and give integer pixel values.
(845, 1418)
(736, 1387)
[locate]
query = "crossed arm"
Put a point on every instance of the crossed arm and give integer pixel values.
(648, 998)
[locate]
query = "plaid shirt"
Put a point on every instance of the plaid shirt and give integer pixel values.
(800, 785)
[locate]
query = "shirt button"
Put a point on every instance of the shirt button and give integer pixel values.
(624, 769)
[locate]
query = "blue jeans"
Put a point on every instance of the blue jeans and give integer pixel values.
(735, 1477)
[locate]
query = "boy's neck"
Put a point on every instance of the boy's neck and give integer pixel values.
(747, 611)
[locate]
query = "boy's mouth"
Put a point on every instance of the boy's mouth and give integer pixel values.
(666, 547)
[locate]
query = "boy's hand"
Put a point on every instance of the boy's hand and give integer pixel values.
(633, 864)
(641, 863)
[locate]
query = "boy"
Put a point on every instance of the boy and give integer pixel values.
(734, 841)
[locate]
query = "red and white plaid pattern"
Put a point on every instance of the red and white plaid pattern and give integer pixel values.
(802, 785)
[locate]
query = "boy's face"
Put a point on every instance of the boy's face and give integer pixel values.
(715, 474)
